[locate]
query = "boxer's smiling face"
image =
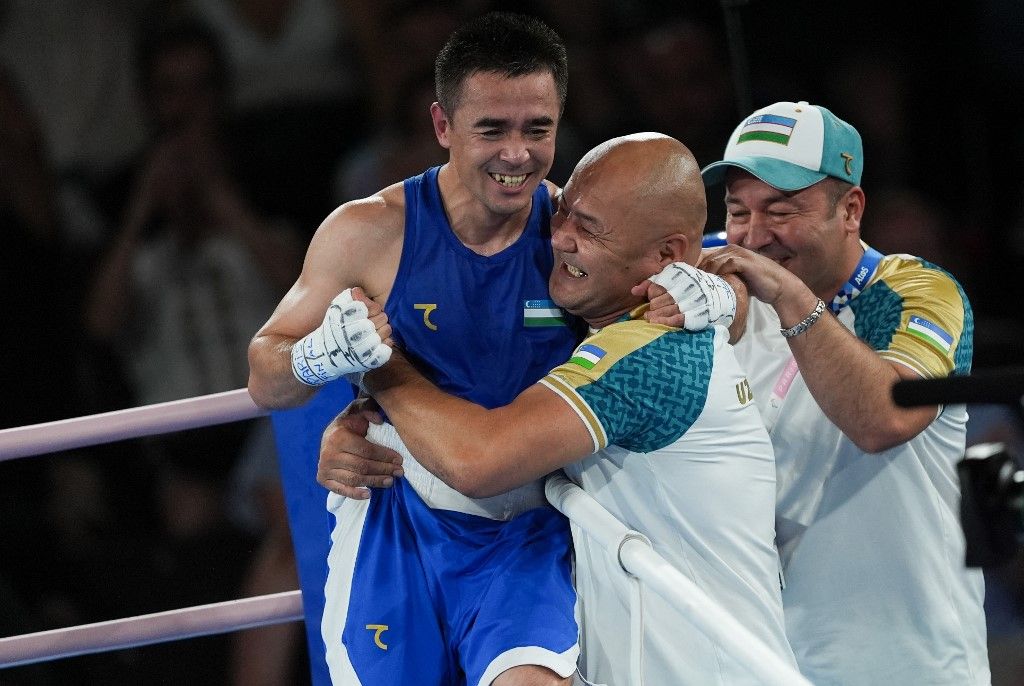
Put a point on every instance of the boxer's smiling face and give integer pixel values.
(501, 137)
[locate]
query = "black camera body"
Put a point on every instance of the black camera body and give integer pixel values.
(991, 505)
(991, 481)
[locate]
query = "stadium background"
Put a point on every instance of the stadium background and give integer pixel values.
(326, 101)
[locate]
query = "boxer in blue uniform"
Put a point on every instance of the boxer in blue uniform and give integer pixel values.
(485, 584)
(482, 325)
(461, 251)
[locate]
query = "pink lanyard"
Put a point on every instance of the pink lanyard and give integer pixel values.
(779, 393)
(861, 276)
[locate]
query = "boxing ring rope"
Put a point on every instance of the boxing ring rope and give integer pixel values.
(148, 420)
(160, 627)
(202, 620)
(634, 552)
(639, 560)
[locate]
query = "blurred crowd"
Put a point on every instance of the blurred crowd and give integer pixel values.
(164, 164)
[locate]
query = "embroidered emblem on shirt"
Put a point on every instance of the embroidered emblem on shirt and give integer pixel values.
(542, 313)
(743, 392)
(427, 309)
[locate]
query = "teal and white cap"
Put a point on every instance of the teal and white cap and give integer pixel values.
(792, 145)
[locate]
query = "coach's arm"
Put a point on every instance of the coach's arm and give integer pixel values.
(476, 451)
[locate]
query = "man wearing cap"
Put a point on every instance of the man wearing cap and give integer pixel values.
(875, 586)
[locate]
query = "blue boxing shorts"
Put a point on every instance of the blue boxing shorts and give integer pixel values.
(426, 596)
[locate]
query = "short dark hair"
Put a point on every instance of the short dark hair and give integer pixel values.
(502, 43)
(835, 190)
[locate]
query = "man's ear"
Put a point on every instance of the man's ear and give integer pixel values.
(441, 124)
(851, 209)
(673, 249)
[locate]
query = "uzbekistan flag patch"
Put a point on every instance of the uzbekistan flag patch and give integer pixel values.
(542, 313)
(767, 127)
(932, 333)
(587, 356)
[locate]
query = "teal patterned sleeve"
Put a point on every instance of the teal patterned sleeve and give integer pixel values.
(636, 384)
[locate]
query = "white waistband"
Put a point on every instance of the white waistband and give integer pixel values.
(440, 496)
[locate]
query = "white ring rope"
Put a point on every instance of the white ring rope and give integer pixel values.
(202, 620)
(189, 622)
(149, 420)
(633, 551)
(638, 558)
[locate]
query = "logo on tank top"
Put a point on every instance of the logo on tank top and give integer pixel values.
(427, 309)
(378, 629)
(542, 313)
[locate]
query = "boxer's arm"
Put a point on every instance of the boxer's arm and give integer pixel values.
(359, 244)
(476, 451)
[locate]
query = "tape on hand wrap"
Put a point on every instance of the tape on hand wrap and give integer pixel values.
(345, 343)
(704, 299)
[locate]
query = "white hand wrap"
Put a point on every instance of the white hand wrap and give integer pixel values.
(704, 299)
(346, 342)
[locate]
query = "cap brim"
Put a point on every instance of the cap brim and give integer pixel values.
(785, 176)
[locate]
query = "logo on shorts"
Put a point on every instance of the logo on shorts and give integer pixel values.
(378, 629)
(427, 309)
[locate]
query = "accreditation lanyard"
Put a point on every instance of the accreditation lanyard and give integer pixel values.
(860, 277)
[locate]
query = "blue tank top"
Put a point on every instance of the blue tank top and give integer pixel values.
(482, 328)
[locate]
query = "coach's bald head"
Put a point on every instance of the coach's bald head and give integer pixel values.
(632, 205)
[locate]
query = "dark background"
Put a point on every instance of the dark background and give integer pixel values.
(325, 101)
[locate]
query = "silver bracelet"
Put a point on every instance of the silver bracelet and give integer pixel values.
(798, 329)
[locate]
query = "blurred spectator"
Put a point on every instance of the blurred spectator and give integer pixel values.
(396, 40)
(74, 58)
(676, 80)
(594, 112)
(402, 146)
(873, 87)
(192, 274)
(676, 77)
(283, 51)
(297, 98)
(194, 270)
